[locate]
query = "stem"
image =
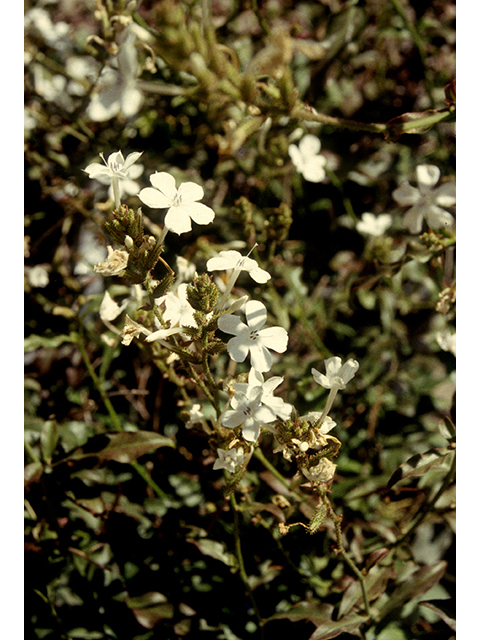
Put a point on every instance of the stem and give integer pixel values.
(309, 114)
(241, 565)
(341, 549)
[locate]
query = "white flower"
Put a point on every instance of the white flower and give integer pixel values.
(280, 408)
(229, 460)
(426, 202)
(306, 159)
(182, 203)
(374, 225)
(447, 341)
(117, 172)
(251, 339)
(195, 416)
(117, 90)
(38, 276)
(115, 263)
(234, 260)
(337, 375)
(323, 471)
(248, 411)
(336, 378)
(109, 309)
(178, 311)
(132, 330)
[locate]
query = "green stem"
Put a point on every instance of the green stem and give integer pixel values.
(338, 530)
(241, 564)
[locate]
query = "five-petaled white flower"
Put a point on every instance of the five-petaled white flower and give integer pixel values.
(281, 409)
(251, 339)
(195, 416)
(374, 225)
(182, 203)
(307, 160)
(323, 471)
(337, 375)
(426, 201)
(234, 260)
(249, 412)
(229, 460)
(117, 172)
(178, 311)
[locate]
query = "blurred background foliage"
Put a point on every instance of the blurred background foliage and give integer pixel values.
(132, 538)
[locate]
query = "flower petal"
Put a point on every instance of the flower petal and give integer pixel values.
(231, 324)
(178, 220)
(256, 314)
(165, 183)
(406, 195)
(238, 349)
(190, 192)
(413, 219)
(260, 357)
(309, 146)
(275, 338)
(427, 175)
(200, 213)
(154, 199)
(438, 217)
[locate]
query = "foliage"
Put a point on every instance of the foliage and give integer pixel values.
(136, 362)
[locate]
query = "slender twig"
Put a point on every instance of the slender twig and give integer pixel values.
(241, 564)
(337, 520)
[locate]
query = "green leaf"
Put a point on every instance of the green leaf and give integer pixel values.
(419, 464)
(36, 342)
(321, 616)
(415, 585)
(375, 584)
(121, 447)
(215, 550)
(150, 608)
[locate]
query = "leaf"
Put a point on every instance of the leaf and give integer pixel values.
(33, 341)
(415, 585)
(150, 608)
(121, 447)
(321, 616)
(419, 464)
(215, 550)
(451, 622)
(415, 122)
(375, 584)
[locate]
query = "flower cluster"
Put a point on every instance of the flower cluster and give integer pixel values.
(192, 312)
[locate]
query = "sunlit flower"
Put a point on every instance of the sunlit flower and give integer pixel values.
(307, 160)
(182, 203)
(251, 339)
(337, 375)
(37, 276)
(447, 341)
(323, 471)
(227, 260)
(336, 378)
(281, 409)
(109, 309)
(249, 412)
(426, 201)
(177, 309)
(132, 330)
(229, 460)
(117, 88)
(195, 416)
(117, 172)
(115, 263)
(373, 225)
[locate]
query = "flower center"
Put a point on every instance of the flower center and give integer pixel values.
(253, 335)
(177, 200)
